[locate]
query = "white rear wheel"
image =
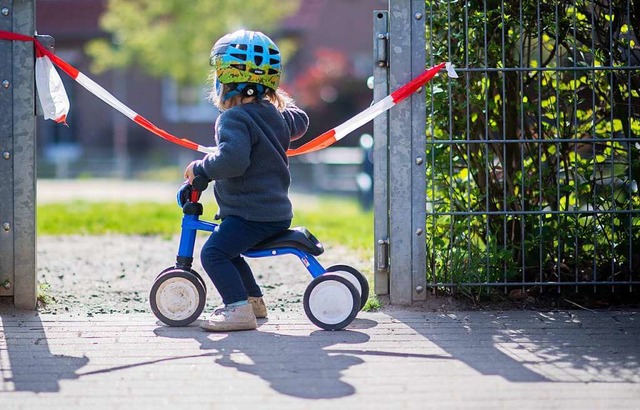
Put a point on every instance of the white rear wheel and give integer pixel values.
(331, 301)
(355, 277)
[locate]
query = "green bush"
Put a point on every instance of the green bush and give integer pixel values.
(532, 172)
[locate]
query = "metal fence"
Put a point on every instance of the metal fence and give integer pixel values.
(527, 172)
(533, 156)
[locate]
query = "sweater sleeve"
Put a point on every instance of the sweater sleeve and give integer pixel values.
(234, 148)
(297, 121)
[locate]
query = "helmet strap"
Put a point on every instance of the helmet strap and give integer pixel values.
(247, 90)
(253, 90)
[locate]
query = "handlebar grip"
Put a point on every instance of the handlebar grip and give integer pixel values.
(200, 183)
(194, 196)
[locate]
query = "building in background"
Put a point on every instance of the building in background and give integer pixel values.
(327, 76)
(98, 140)
(329, 71)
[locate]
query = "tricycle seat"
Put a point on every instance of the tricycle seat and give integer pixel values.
(298, 237)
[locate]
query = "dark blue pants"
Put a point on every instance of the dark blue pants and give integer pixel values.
(221, 256)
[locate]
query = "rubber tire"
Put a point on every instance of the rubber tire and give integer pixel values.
(196, 274)
(355, 305)
(190, 277)
(364, 284)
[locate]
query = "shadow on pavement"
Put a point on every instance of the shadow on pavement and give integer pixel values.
(26, 361)
(530, 346)
(298, 366)
(303, 366)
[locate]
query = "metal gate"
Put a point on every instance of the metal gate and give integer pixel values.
(529, 167)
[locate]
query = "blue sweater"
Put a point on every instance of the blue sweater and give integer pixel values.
(251, 168)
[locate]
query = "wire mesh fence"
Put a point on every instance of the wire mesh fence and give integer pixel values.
(533, 156)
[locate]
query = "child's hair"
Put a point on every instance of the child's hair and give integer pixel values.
(278, 98)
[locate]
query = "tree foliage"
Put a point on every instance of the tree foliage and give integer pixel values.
(173, 38)
(534, 159)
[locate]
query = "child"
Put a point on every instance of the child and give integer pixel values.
(250, 170)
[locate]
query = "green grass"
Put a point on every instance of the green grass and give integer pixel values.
(372, 304)
(333, 220)
(337, 220)
(99, 218)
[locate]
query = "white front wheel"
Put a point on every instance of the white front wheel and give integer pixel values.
(177, 297)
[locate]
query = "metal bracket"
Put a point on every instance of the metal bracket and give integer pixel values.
(382, 49)
(382, 262)
(47, 41)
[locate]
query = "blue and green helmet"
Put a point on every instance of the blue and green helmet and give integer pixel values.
(246, 57)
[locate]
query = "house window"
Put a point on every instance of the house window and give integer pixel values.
(182, 103)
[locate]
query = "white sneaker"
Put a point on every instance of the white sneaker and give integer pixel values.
(226, 319)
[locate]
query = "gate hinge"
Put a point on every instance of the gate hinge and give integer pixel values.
(381, 50)
(382, 261)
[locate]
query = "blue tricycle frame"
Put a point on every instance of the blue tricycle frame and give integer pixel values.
(331, 301)
(191, 224)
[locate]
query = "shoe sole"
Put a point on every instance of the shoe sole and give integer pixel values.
(217, 327)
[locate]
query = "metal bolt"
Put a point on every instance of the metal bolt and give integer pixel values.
(5, 11)
(419, 161)
(6, 83)
(419, 231)
(381, 36)
(418, 16)
(6, 226)
(6, 155)
(419, 289)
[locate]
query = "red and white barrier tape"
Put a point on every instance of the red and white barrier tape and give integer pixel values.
(337, 133)
(103, 94)
(322, 141)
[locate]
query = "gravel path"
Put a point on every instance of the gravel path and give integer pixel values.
(91, 275)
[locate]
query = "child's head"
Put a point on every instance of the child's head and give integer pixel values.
(246, 67)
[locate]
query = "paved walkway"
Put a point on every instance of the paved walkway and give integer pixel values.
(97, 189)
(386, 360)
(395, 359)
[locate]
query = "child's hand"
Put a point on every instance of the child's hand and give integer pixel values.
(188, 172)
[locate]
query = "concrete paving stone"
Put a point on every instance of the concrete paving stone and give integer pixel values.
(389, 359)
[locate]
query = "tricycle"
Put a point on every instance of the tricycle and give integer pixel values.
(331, 300)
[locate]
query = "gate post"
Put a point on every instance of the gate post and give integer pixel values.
(407, 142)
(381, 153)
(17, 158)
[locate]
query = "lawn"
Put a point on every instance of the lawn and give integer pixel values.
(335, 220)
